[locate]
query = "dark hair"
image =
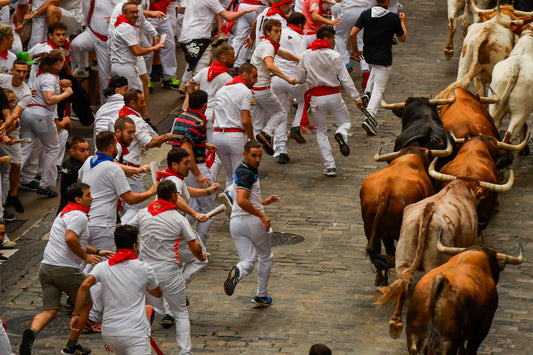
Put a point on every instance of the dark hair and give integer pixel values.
(19, 62)
(319, 349)
(131, 95)
(104, 140)
(247, 68)
(115, 82)
(76, 190)
(165, 189)
(49, 59)
(267, 27)
(75, 141)
(197, 99)
(325, 32)
(251, 144)
(175, 155)
(297, 19)
(56, 26)
(126, 236)
(121, 122)
(222, 50)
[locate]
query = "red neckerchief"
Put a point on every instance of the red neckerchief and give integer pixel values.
(126, 111)
(44, 72)
(296, 29)
(317, 44)
(122, 19)
(159, 206)
(66, 46)
(215, 70)
(73, 206)
(274, 9)
(237, 80)
(125, 150)
(202, 116)
(276, 45)
(167, 173)
(4, 54)
(121, 255)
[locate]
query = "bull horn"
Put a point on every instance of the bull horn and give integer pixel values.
(476, 9)
(456, 140)
(523, 13)
(385, 157)
(443, 152)
(513, 260)
(517, 147)
(387, 106)
(494, 99)
(499, 188)
(447, 250)
(436, 175)
(449, 101)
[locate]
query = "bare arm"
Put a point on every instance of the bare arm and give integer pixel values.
(156, 292)
(139, 51)
(51, 98)
(196, 250)
(83, 291)
(184, 206)
(203, 181)
(324, 21)
(244, 202)
(230, 15)
(288, 56)
(74, 244)
(41, 10)
(132, 198)
(403, 37)
(269, 62)
(246, 119)
(157, 141)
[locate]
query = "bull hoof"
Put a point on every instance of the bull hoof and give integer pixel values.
(395, 328)
(381, 280)
(525, 151)
(448, 53)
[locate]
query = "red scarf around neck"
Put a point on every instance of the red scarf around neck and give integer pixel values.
(318, 43)
(73, 206)
(167, 173)
(122, 19)
(296, 29)
(66, 46)
(121, 255)
(276, 45)
(160, 205)
(125, 150)
(238, 80)
(126, 111)
(4, 54)
(274, 9)
(215, 70)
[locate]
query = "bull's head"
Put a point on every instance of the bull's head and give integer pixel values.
(428, 152)
(398, 107)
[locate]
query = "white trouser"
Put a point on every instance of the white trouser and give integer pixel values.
(38, 122)
(320, 106)
(283, 90)
(377, 82)
(175, 19)
(130, 72)
(5, 346)
(38, 25)
(31, 167)
(62, 137)
(173, 287)
(190, 265)
(202, 204)
(129, 211)
(230, 146)
(17, 43)
(167, 54)
(266, 101)
(81, 46)
(342, 34)
(251, 240)
(241, 30)
(128, 345)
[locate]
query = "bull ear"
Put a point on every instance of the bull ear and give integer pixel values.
(516, 27)
(481, 193)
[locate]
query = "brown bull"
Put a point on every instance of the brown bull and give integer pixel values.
(384, 195)
(451, 212)
(455, 302)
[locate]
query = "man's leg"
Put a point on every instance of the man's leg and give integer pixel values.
(319, 117)
(241, 231)
(380, 76)
(80, 47)
(280, 132)
(262, 241)
(190, 265)
(202, 204)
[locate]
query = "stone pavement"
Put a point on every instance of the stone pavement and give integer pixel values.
(323, 288)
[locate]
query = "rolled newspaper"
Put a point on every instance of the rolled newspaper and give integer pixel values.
(154, 167)
(216, 210)
(23, 140)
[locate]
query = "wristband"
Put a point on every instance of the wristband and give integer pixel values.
(208, 192)
(97, 252)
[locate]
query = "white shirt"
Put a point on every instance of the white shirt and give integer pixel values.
(46, 82)
(346, 4)
(123, 293)
(264, 49)
(181, 186)
(198, 19)
(7, 64)
(107, 181)
(158, 235)
(211, 87)
(22, 92)
(106, 113)
(57, 251)
(324, 67)
(230, 100)
(142, 22)
(121, 39)
(294, 43)
(262, 18)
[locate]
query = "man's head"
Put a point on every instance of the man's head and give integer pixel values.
(284, 6)
(125, 130)
(248, 72)
(52, 62)
(79, 148)
(272, 29)
(130, 12)
(19, 72)
(179, 161)
(253, 150)
(383, 2)
(57, 33)
(319, 349)
(117, 85)
(198, 100)
(134, 99)
(106, 143)
(6, 37)
(297, 19)
(225, 55)
(126, 237)
(11, 98)
(167, 190)
(80, 193)
(327, 34)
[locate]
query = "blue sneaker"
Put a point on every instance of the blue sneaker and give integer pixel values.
(262, 301)
(167, 321)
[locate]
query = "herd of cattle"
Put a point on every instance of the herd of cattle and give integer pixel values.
(440, 188)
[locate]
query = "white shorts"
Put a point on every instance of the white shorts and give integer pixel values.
(128, 345)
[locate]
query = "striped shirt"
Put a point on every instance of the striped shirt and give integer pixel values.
(191, 126)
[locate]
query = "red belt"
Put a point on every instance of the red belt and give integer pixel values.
(261, 88)
(99, 36)
(229, 130)
(252, 2)
(131, 164)
(316, 91)
(46, 107)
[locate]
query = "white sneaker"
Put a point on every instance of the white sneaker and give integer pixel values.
(331, 172)
(80, 72)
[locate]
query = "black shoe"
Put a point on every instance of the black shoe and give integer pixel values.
(171, 83)
(345, 150)
(15, 202)
(28, 337)
(47, 192)
(31, 186)
(369, 127)
(76, 350)
(283, 158)
(231, 281)
(167, 321)
(157, 72)
(151, 124)
(8, 216)
(266, 142)
(296, 134)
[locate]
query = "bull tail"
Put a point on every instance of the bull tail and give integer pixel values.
(439, 284)
(502, 105)
(394, 290)
(374, 242)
